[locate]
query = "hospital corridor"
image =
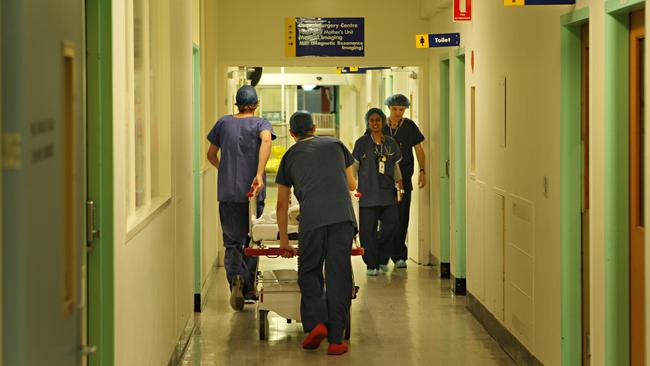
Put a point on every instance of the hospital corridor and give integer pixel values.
(303, 182)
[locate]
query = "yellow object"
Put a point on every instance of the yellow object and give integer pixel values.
(422, 41)
(277, 152)
(514, 2)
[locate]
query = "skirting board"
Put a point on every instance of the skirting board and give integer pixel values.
(444, 268)
(183, 341)
(519, 354)
(458, 286)
(201, 299)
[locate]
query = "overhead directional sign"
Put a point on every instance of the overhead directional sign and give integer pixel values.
(537, 2)
(437, 40)
(325, 37)
(358, 70)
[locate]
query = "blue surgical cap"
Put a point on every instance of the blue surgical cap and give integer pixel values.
(398, 100)
(246, 95)
(372, 111)
(301, 122)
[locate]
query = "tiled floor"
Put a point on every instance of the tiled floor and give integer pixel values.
(407, 317)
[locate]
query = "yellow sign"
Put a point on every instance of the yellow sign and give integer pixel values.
(514, 2)
(290, 32)
(422, 41)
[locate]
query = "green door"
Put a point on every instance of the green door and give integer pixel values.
(43, 181)
(458, 272)
(444, 170)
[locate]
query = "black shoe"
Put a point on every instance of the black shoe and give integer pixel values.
(236, 295)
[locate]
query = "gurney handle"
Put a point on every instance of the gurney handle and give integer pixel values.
(256, 252)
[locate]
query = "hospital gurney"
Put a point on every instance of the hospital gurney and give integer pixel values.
(278, 289)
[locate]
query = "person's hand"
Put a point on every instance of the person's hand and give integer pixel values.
(422, 180)
(288, 251)
(258, 184)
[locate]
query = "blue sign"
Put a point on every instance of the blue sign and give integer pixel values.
(550, 2)
(360, 70)
(330, 37)
(438, 40)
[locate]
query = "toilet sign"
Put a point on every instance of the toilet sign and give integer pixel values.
(437, 40)
(462, 10)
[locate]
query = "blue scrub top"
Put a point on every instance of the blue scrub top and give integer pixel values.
(376, 189)
(239, 142)
(407, 136)
(315, 168)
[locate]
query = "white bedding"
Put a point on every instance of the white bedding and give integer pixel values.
(263, 231)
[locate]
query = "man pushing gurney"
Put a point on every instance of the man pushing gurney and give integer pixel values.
(320, 171)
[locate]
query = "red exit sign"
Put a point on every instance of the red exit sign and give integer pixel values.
(462, 10)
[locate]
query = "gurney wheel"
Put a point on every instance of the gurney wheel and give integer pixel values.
(347, 327)
(263, 324)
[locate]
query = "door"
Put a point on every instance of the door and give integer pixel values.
(44, 181)
(585, 193)
(637, 186)
(459, 164)
(444, 170)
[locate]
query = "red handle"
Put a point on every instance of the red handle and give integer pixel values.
(255, 252)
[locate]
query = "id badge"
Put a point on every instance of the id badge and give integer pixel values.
(382, 167)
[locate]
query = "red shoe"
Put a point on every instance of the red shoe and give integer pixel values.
(337, 349)
(313, 339)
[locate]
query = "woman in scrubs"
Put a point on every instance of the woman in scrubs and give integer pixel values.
(378, 156)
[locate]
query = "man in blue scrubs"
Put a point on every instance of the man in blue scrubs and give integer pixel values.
(408, 136)
(245, 144)
(320, 171)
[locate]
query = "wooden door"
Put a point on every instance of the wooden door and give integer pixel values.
(637, 209)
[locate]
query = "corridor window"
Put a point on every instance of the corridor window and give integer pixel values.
(149, 171)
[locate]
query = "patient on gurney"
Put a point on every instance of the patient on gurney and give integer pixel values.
(266, 226)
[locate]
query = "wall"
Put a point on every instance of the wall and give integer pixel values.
(153, 263)
(522, 45)
(210, 227)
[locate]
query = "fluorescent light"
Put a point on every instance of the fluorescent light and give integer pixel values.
(308, 87)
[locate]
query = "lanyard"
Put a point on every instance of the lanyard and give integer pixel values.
(399, 124)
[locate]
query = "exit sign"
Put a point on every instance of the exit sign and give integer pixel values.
(462, 10)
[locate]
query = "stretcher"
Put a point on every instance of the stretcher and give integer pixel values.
(278, 289)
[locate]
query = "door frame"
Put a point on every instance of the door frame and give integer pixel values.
(617, 263)
(445, 225)
(460, 174)
(100, 179)
(571, 186)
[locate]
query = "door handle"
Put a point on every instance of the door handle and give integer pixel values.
(447, 163)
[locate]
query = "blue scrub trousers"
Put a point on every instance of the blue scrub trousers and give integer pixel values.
(378, 245)
(234, 224)
(326, 299)
(399, 249)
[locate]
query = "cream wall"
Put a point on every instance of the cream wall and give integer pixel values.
(597, 177)
(210, 228)
(525, 48)
(523, 45)
(153, 263)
